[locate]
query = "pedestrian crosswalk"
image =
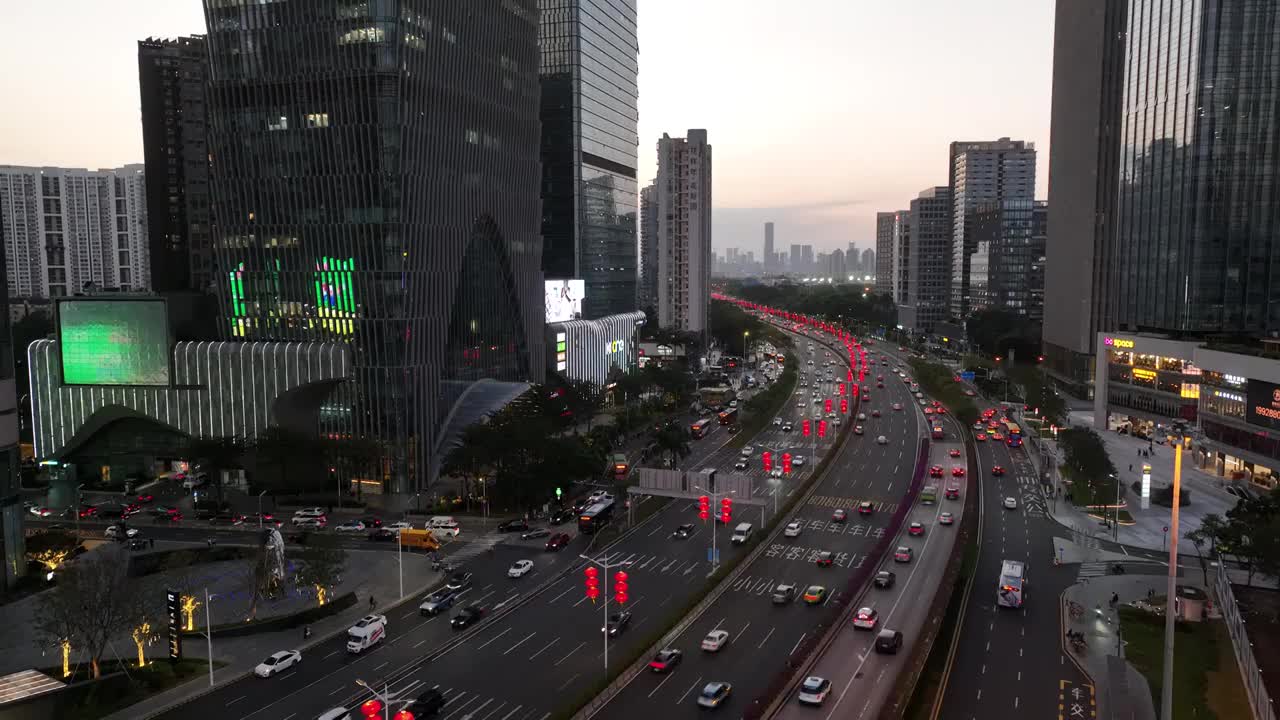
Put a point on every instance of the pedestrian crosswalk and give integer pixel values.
(848, 503)
(1100, 569)
(473, 548)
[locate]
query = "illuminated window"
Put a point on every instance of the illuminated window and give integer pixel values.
(362, 35)
(317, 120)
(279, 123)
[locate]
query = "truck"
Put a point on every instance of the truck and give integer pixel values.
(929, 495)
(424, 539)
(367, 632)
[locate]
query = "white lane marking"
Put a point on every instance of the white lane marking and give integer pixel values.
(686, 692)
(545, 648)
(797, 645)
(571, 653)
(493, 639)
(513, 647)
(766, 639)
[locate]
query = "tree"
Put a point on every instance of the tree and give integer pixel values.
(320, 568)
(673, 440)
(584, 399)
(51, 548)
(94, 601)
(354, 458)
(288, 461)
(214, 455)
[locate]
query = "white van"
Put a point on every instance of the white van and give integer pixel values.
(741, 533)
(366, 633)
(336, 714)
(443, 526)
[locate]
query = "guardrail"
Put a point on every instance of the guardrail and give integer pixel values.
(1259, 698)
(768, 702)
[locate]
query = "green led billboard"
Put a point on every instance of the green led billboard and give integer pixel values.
(114, 341)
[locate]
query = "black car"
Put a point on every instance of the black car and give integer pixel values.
(428, 704)
(226, 519)
(466, 617)
(371, 522)
(514, 525)
(683, 531)
(885, 579)
(617, 623)
(459, 581)
(383, 535)
(561, 517)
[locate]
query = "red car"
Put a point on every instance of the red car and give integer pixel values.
(880, 385)
(146, 498)
(866, 508)
(915, 529)
(997, 470)
(557, 541)
(935, 471)
(839, 515)
(826, 559)
(928, 411)
(953, 492)
(980, 437)
(875, 413)
(940, 410)
(957, 471)
(665, 660)
(997, 436)
(955, 452)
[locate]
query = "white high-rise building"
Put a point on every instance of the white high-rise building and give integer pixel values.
(66, 230)
(684, 231)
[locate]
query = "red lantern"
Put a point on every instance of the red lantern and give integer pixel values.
(827, 405)
(822, 428)
(841, 388)
(726, 510)
(844, 405)
(402, 715)
(786, 463)
(371, 708)
(805, 427)
(768, 460)
(704, 507)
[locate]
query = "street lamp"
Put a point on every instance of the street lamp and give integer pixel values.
(484, 504)
(714, 496)
(264, 492)
(1166, 692)
(606, 567)
(208, 631)
(777, 488)
(745, 334)
(76, 509)
(385, 697)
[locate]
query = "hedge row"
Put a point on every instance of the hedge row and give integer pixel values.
(939, 382)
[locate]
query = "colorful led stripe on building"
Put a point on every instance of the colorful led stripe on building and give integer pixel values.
(335, 294)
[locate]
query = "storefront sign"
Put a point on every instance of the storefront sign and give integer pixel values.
(1264, 404)
(1119, 343)
(1228, 396)
(1146, 486)
(1190, 391)
(1144, 374)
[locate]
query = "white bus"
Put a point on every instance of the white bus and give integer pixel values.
(1012, 579)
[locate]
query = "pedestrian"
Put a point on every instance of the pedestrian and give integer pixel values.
(1130, 467)
(151, 543)
(372, 603)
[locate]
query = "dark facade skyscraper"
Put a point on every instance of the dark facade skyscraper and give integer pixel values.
(1197, 213)
(12, 538)
(929, 267)
(1000, 273)
(171, 81)
(768, 258)
(649, 247)
(374, 176)
(1084, 148)
(589, 70)
(884, 252)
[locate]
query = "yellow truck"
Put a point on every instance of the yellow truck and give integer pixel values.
(423, 539)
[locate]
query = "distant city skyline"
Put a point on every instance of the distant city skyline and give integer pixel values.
(820, 174)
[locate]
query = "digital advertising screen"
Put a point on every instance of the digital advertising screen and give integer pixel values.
(114, 341)
(564, 299)
(1264, 404)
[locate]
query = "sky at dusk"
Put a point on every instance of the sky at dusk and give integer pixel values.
(820, 112)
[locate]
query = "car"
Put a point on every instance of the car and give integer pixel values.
(145, 498)
(684, 531)
(616, 624)
(458, 581)
(783, 594)
(903, 554)
(838, 421)
(954, 452)
(957, 471)
(747, 451)
(928, 411)
(520, 568)
(793, 529)
(814, 595)
(560, 517)
(879, 385)
(953, 491)
(535, 533)
(997, 470)
(825, 559)
(715, 640)
(875, 413)
(265, 518)
(40, 511)
(466, 617)
(311, 512)
(946, 518)
(857, 430)
(119, 532)
(866, 508)
(939, 409)
(915, 529)
(897, 406)
(882, 440)
(438, 601)
(862, 417)
(513, 525)
(715, 693)
(889, 641)
(797, 461)
(839, 515)
(885, 579)
(309, 523)
(733, 403)
(383, 535)
(777, 421)
(997, 436)
(277, 663)
(350, 526)
(775, 472)
(935, 471)
(557, 542)
(970, 393)
(786, 427)
(978, 426)
(429, 703)
(371, 522)
(866, 618)
(665, 660)
(1011, 503)
(741, 464)
(800, 404)
(980, 437)
(598, 496)
(814, 690)
(401, 525)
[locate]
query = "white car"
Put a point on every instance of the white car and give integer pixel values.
(599, 496)
(866, 619)
(776, 472)
(793, 529)
(777, 421)
(747, 451)
(882, 440)
(715, 640)
(897, 406)
(800, 404)
(1011, 503)
(402, 525)
(278, 662)
(814, 690)
(312, 512)
(520, 569)
(862, 417)
(116, 532)
(41, 511)
(350, 526)
(797, 461)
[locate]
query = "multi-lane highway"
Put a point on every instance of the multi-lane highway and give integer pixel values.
(542, 645)
(762, 635)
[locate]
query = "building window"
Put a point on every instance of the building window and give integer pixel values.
(317, 120)
(279, 123)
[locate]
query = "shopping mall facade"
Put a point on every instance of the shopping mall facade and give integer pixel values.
(1228, 401)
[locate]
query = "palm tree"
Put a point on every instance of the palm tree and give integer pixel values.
(673, 440)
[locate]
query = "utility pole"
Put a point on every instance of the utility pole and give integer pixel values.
(1166, 689)
(604, 565)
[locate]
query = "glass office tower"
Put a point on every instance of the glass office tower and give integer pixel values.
(590, 64)
(374, 180)
(1195, 247)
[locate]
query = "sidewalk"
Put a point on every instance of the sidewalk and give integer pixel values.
(1121, 691)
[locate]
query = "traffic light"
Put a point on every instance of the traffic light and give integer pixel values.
(786, 463)
(559, 493)
(593, 582)
(768, 460)
(827, 406)
(704, 507)
(805, 427)
(844, 406)
(620, 586)
(822, 428)
(726, 510)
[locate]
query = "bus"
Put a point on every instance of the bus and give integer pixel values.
(937, 433)
(699, 429)
(595, 517)
(929, 495)
(1012, 577)
(620, 466)
(1012, 434)
(729, 417)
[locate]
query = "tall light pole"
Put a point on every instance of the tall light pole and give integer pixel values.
(208, 631)
(715, 555)
(606, 567)
(1166, 690)
(385, 697)
(76, 509)
(264, 492)
(745, 334)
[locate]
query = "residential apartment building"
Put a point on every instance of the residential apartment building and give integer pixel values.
(884, 252)
(648, 290)
(684, 231)
(924, 304)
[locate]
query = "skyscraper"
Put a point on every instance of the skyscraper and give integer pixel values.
(884, 252)
(929, 267)
(1000, 272)
(12, 539)
(836, 265)
(684, 231)
(171, 80)
(806, 259)
(1084, 149)
(983, 172)
(900, 281)
(353, 204)
(868, 262)
(71, 229)
(797, 261)
(588, 75)
(649, 247)
(768, 259)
